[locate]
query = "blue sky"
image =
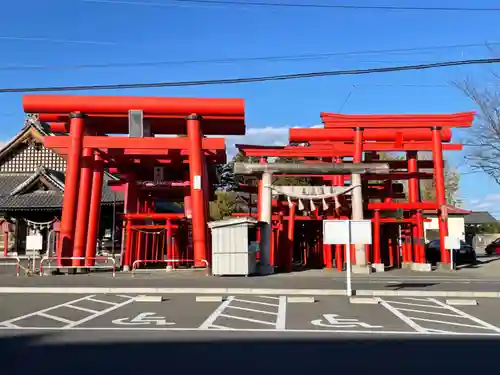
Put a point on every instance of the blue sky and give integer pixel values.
(75, 32)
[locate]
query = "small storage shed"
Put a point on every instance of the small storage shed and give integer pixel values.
(233, 246)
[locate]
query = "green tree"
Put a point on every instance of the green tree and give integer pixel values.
(428, 187)
(223, 206)
(451, 183)
(290, 180)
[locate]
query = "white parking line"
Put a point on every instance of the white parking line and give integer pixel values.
(70, 304)
(457, 318)
(82, 308)
(281, 321)
(100, 313)
(209, 322)
(255, 302)
(251, 310)
(266, 330)
(100, 301)
(401, 316)
(10, 321)
(248, 319)
(55, 317)
(228, 310)
(465, 315)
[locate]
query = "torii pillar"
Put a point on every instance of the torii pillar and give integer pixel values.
(361, 265)
(196, 169)
(265, 203)
(266, 216)
(68, 217)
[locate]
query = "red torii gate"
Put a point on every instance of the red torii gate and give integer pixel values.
(349, 136)
(89, 120)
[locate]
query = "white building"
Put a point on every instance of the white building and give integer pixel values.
(456, 223)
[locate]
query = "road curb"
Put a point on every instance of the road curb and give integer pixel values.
(247, 291)
(125, 290)
(426, 293)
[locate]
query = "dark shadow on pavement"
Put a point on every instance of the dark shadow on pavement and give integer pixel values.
(481, 261)
(409, 285)
(239, 353)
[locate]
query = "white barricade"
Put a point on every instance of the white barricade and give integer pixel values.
(96, 266)
(167, 262)
(17, 263)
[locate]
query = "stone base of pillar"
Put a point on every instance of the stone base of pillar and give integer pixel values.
(444, 266)
(264, 269)
(421, 267)
(66, 271)
(407, 265)
(364, 269)
(126, 268)
(378, 267)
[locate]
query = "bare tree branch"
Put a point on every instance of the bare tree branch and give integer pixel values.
(483, 142)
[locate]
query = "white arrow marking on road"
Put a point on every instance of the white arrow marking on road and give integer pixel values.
(144, 319)
(334, 322)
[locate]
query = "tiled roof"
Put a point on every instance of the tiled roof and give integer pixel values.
(16, 189)
(480, 217)
(32, 201)
(12, 196)
(452, 210)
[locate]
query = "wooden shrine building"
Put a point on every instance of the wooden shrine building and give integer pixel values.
(32, 188)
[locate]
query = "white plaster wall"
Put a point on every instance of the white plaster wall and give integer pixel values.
(456, 226)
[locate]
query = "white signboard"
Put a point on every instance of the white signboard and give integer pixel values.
(344, 232)
(347, 232)
(451, 242)
(197, 182)
(34, 242)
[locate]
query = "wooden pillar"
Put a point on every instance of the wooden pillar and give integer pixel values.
(357, 196)
(95, 209)
(82, 214)
(437, 153)
(196, 169)
(291, 241)
(65, 249)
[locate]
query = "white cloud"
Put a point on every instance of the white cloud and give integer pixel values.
(483, 206)
(490, 202)
(492, 197)
(268, 136)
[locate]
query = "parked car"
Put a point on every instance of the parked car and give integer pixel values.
(466, 254)
(107, 244)
(493, 248)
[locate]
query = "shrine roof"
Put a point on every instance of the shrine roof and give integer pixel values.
(461, 119)
(479, 218)
(43, 188)
(109, 114)
(452, 210)
(20, 191)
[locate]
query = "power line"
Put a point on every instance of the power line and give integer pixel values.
(301, 5)
(254, 79)
(50, 40)
(308, 56)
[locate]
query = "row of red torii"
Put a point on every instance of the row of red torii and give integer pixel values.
(91, 138)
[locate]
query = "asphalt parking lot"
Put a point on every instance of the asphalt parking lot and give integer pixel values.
(390, 316)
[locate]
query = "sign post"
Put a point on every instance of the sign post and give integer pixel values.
(347, 232)
(452, 243)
